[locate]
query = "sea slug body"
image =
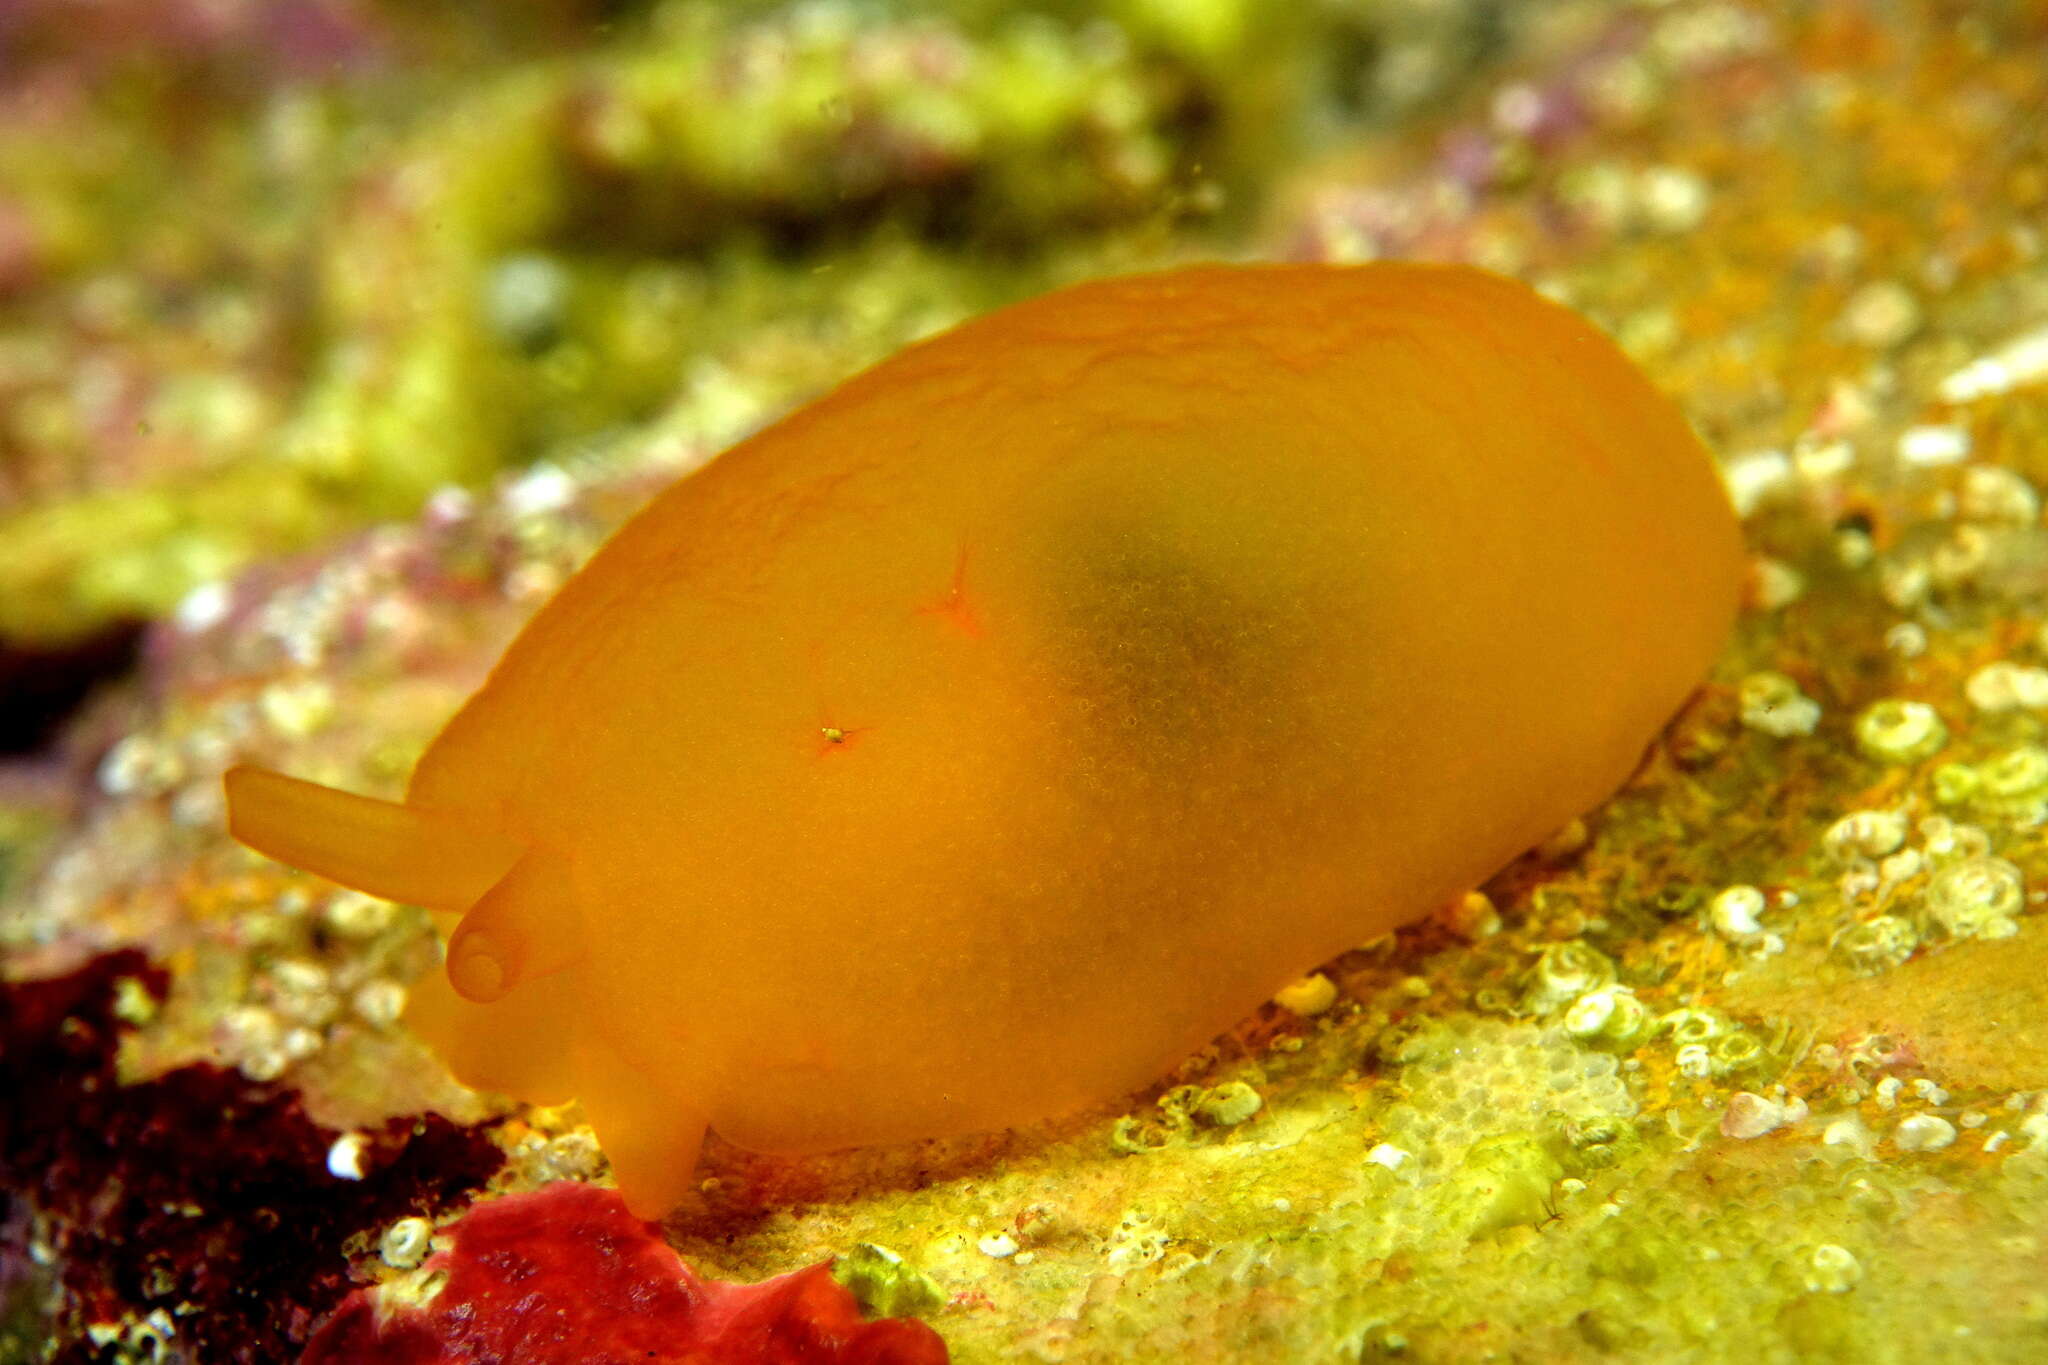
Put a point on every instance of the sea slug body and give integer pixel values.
(972, 744)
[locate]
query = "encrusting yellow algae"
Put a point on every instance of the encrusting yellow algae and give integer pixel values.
(975, 742)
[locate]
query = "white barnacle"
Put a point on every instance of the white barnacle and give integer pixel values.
(1589, 1013)
(1692, 1025)
(300, 1043)
(1902, 866)
(139, 766)
(1846, 1131)
(1931, 445)
(1820, 463)
(1976, 898)
(1772, 704)
(379, 1002)
(2015, 775)
(1753, 477)
(1773, 584)
(1563, 972)
(1895, 730)
(301, 991)
(1831, 1269)
(2022, 360)
(1944, 838)
(355, 915)
(1923, 1133)
(251, 1036)
(2007, 686)
(1473, 916)
(1312, 994)
(1734, 911)
(1995, 493)
(543, 489)
(1611, 1014)
(1228, 1104)
(1959, 558)
(203, 608)
(1750, 1115)
(1673, 199)
(1881, 314)
(345, 1156)
(133, 1003)
(404, 1244)
(297, 707)
(1907, 639)
(1387, 1155)
(1865, 834)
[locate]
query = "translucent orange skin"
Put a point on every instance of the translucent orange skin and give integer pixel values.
(973, 744)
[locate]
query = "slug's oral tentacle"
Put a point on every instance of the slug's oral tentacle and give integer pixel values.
(383, 848)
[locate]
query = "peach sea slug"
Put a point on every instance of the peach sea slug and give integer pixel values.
(972, 744)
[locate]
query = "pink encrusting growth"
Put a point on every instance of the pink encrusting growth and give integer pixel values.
(566, 1276)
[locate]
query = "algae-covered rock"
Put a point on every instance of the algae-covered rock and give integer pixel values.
(330, 308)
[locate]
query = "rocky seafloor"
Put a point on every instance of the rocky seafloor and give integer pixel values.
(333, 338)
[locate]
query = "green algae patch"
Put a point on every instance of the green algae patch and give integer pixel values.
(884, 1284)
(1503, 1182)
